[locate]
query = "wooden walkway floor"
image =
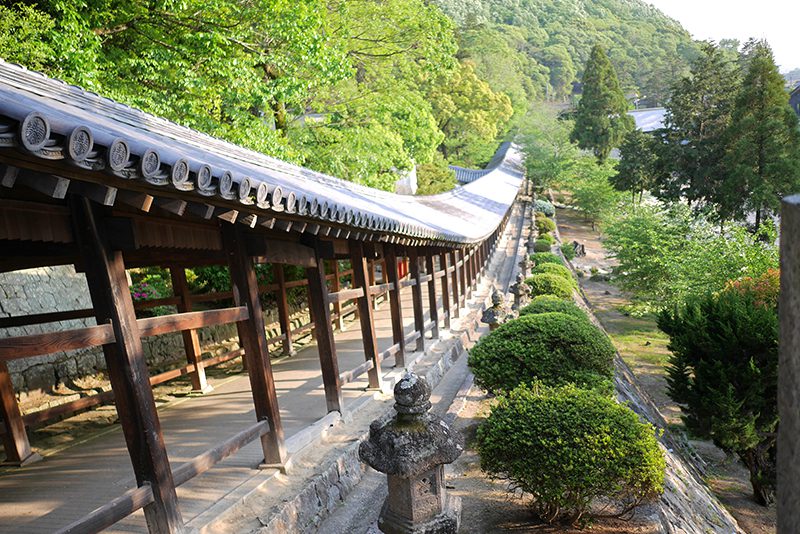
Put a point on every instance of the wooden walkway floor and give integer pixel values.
(50, 494)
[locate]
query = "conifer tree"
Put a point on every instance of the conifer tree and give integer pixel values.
(764, 141)
(637, 165)
(601, 121)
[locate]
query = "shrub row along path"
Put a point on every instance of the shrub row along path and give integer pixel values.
(644, 349)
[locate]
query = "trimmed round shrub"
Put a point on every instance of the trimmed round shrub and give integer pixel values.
(568, 251)
(550, 284)
(555, 268)
(550, 304)
(567, 447)
(542, 245)
(545, 257)
(545, 225)
(545, 207)
(554, 348)
(547, 237)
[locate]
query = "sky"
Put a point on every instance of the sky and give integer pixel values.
(777, 21)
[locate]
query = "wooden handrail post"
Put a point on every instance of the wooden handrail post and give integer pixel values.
(416, 297)
(456, 298)
(326, 345)
(283, 308)
(191, 341)
(336, 286)
(433, 300)
(367, 319)
(127, 368)
(445, 288)
(15, 439)
(253, 338)
(395, 304)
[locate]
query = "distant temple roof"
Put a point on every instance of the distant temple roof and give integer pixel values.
(648, 119)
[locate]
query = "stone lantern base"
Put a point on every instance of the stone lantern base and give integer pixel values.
(446, 522)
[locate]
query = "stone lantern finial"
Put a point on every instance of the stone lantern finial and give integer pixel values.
(412, 448)
(495, 315)
(521, 292)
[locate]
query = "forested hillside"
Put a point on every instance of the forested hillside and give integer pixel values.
(356, 88)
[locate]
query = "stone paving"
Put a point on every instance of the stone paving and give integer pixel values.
(50, 494)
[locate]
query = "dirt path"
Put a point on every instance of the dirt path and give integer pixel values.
(644, 349)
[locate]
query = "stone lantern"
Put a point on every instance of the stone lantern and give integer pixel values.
(495, 315)
(521, 292)
(412, 448)
(531, 245)
(525, 266)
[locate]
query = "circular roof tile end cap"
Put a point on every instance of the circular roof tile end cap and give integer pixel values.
(226, 185)
(302, 205)
(277, 198)
(291, 202)
(323, 209)
(205, 180)
(179, 174)
(313, 208)
(34, 131)
(262, 192)
(118, 154)
(245, 186)
(80, 142)
(149, 163)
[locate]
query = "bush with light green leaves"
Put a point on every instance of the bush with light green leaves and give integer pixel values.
(568, 448)
(539, 258)
(549, 304)
(550, 284)
(556, 269)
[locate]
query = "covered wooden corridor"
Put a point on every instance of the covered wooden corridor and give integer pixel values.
(92, 183)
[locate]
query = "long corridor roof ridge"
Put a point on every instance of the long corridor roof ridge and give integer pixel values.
(61, 122)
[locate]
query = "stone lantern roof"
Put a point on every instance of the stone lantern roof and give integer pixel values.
(413, 441)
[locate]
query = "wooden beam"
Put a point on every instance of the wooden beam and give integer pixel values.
(15, 439)
(267, 250)
(253, 338)
(361, 279)
(48, 184)
(326, 345)
(395, 305)
(416, 297)
(127, 368)
(140, 201)
(102, 194)
(191, 341)
(454, 288)
(433, 301)
(13, 348)
(283, 308)
(345, 295)
(443, 256)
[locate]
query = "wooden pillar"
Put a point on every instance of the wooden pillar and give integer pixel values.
(15, 440)
(283, 309)
(336, 286)
(416, 296)
(445, 288)
(253, 338)
(433, 300)
(468, 273)
(367, 318)
(464, 281)
(395, 304)
(373, 299)
(127, 369)
(456, 298)
(326, 345)
(191, 341)
(788, 466)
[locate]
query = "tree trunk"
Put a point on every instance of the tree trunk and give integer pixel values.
(279, 114)
(760, 462)
(758, 218)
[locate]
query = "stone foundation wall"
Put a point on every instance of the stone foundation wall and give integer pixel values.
(50, 289)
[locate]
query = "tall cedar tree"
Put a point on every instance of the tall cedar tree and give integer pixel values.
(601, 121)
(698, 115)
(764, 150)
(636, 168)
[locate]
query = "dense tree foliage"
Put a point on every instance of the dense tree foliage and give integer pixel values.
(763, 156)
(724, 373)
(601, 119)
(637, 164)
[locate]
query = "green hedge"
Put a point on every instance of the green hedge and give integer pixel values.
(556, 269)
(553, 347)
(544, 206)
(547, 237)
(544, 225)
(545, 257)
(549, 304)
(566, 447)
(542, 245)
(550, 284)
(568, 251)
